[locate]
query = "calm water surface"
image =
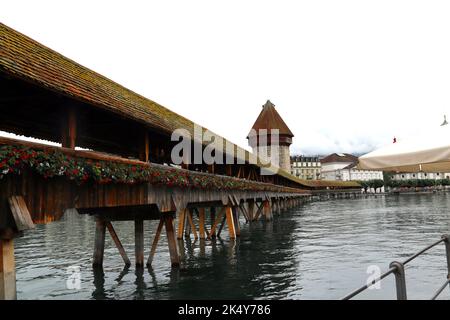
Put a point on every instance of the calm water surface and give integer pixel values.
(318, 251)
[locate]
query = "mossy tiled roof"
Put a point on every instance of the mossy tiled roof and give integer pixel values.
(22, 57)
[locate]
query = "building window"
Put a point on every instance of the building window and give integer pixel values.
(436, 174)
(414, 175)
(403, 175)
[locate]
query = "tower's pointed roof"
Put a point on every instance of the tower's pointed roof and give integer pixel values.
(269, 119)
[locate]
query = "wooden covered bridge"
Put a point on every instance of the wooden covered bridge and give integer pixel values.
(113, 161)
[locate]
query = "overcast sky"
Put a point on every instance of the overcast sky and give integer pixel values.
(347, 76)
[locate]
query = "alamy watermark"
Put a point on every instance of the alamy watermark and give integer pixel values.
(206, 147)
(373, 282)
(73, 281)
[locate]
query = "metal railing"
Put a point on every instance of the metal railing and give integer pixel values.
(398, 270)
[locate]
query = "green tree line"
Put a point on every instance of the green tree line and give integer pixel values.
(412, 183)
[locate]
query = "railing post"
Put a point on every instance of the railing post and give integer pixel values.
(400, 281)
(447, 249)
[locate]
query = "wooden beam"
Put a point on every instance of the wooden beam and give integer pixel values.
(171, 240)
(187, 227)
(201, 222)
(239, 172)
(192, 225)
(119, 245)
(212, 215)
(144, 150)
(221, 225)
(244, 211)
(69, 128)
(20, 213)
(230, 222)
(99, 244)
(181, 223)
(7, 270)
(237, 225)
(258, 212)
(139, 242)
(155, 242)
(229, 170)
(251, 209)
(212, 233)
(267, 210)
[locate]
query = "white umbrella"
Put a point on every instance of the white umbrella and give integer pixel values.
(428, 152)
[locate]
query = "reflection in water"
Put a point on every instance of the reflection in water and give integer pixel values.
(320, 250)
(99, 283)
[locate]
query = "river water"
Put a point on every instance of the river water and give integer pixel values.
(321, 250)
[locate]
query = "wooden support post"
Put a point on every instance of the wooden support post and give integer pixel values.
(7, 270)
(212, 214)
(230, 222)
(221, 225)
(144, 149)
(69, 128)
(212, 233)
(187, 225)
(244, 211)
(99, 244)
(237, 225)
(201, 222)
(139, 242)
(258, 212)
(119, 246)
(267, 210)
(171, 240)
(155, 242)
(192, 225)
(251, 210)
(181, 223)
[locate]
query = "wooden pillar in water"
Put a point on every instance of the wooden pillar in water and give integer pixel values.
(139, 242)
(267, 210)
(201, 223)
(213, 219)
(275, 206)
(230, 222)
(251, 210)
(237, 225)
(171, 240)
(155, 242)
(181, 223)
(7, 270)
(99, 244)
(118, 244)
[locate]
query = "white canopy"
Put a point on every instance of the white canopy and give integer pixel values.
(428, 152)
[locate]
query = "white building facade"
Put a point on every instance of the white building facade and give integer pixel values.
(342, 166)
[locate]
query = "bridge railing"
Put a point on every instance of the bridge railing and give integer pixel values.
(398, 270)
